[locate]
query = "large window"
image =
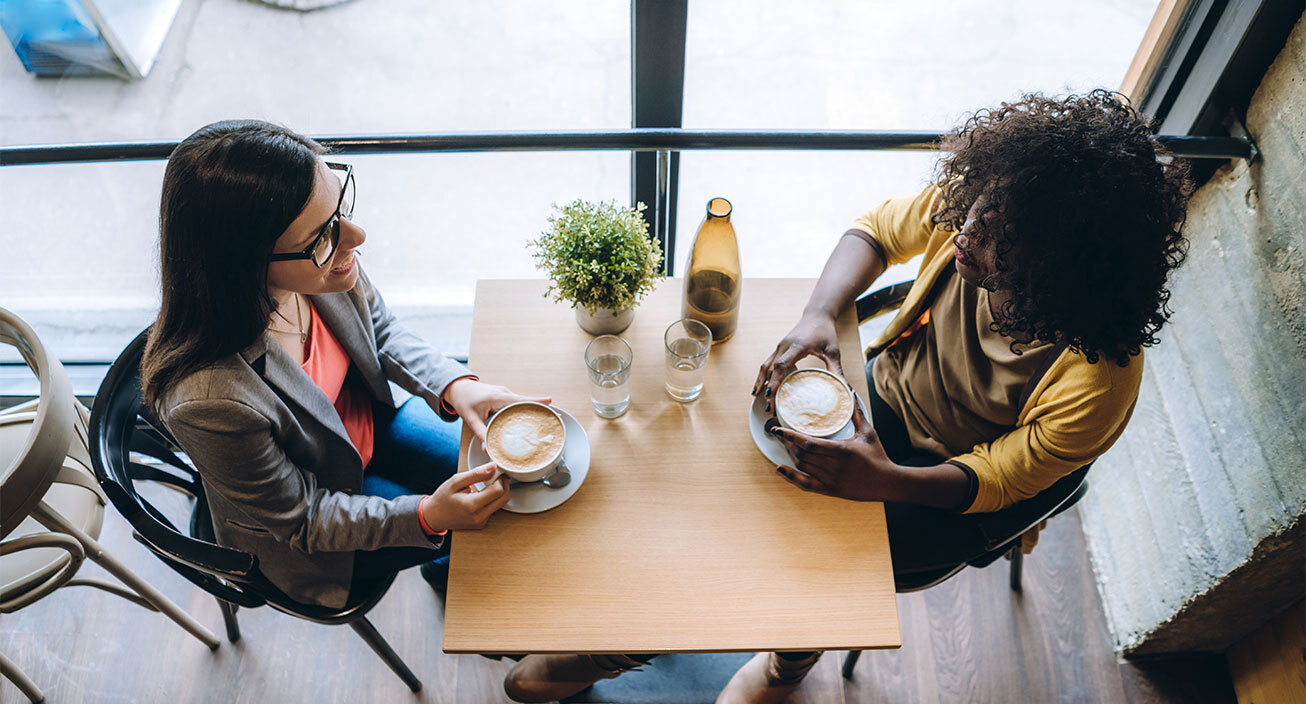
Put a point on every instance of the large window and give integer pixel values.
(85, 234)
(866, 66)
(79, 239)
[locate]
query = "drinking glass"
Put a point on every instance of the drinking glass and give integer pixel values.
(608, 358)
(688, 343)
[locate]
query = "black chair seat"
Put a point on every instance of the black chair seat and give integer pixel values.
(1006, 528)
(906, 582)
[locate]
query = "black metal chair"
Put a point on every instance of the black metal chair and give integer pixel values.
(129, 445)
(1002, 529)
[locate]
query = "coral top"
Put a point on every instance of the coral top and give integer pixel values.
(327, 364)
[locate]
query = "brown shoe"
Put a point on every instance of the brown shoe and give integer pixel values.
(546, 678)
(766, 679)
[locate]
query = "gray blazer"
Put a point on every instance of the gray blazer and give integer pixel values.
(281, 475)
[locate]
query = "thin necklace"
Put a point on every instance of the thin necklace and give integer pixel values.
(299, 324)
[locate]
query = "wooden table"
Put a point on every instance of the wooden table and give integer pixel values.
(683, 537)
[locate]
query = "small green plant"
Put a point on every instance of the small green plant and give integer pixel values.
(599, 255)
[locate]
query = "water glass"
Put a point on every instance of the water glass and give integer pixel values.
(608, 358)
(688, 343)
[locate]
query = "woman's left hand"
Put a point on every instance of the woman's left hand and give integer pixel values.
(475, 400)
(856, 469)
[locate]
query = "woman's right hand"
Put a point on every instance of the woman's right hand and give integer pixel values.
(813, 335)
(456, 505)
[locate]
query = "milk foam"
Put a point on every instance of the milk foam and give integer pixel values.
(524, 438)
(519, 440)
(814, 403)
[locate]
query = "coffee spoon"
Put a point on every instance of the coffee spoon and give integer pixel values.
(558, 478)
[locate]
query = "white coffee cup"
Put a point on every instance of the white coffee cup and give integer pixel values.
(814, 401)
(525, 440)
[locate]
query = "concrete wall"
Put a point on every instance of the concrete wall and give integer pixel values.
(1193, 520)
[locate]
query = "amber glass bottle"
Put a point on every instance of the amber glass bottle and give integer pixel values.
(712, 279)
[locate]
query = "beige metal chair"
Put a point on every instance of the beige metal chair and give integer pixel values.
(51, 508)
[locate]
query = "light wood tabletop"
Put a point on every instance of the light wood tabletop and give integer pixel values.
(683, 538)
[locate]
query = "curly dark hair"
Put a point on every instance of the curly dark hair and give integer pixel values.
(1089, 218)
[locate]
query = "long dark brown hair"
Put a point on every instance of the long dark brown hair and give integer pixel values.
(229, 191)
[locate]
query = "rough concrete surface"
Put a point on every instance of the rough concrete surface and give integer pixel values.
(1194, 518)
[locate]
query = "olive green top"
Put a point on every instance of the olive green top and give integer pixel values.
(956, 383)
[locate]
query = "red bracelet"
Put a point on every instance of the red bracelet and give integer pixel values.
(444, 405)
(421, 518)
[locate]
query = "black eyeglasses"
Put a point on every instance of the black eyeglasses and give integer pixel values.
(321, 249)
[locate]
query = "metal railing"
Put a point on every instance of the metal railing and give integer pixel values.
(662, 141)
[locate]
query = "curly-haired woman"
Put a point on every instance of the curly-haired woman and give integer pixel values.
(1017, 356)
(1047, 239)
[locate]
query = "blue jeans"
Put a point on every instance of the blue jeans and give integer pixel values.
(414, 452)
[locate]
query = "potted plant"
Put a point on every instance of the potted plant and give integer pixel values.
(601, 259)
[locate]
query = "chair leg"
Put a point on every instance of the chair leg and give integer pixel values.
(849, 662)
(15, 675)
(52, 520)
(1017, 558)
(229, 619)
(364, 628)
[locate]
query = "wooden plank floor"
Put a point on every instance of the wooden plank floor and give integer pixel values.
(1270, 664)
(968, 640)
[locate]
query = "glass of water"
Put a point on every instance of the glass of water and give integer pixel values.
(687, 342)
(608, 358)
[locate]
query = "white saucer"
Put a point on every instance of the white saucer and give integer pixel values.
(771, 446)
(534, 497)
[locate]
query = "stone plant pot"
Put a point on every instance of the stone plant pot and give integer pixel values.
(604, 322)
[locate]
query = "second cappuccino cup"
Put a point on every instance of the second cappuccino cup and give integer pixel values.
(814, 401)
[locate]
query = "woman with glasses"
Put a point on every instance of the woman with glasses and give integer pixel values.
(270, 362)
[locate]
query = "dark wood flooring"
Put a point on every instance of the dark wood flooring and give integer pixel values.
(970, 639)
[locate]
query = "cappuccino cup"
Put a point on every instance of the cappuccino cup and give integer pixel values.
(526, 439)
(815, 402)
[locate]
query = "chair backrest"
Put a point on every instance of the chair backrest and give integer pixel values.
(1002, 526)
(121, 426)
(29, 476)
(882, 300)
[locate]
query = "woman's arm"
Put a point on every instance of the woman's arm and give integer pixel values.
(1079, 412)
(890, 233)
(232, 446)
(407, 359)
(853, 265)
(445, 384)
(1078, 415)
(859, 470)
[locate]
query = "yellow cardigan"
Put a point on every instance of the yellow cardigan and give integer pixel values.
(1074, 413)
